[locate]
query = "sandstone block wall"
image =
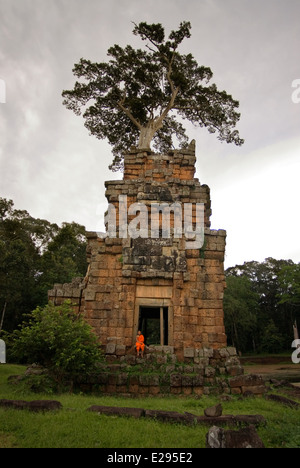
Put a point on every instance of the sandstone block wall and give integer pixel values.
(128, 274)
(72, 292)
(208, 372)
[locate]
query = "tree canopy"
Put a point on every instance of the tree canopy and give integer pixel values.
(261, 305)
(34, 254)
(141, 95)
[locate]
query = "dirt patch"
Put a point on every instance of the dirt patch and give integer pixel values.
(265, 360)
(289, 372)
(283, 375)
(7, 441)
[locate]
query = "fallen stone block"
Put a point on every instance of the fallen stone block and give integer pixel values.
(13, 404)
(246, 437)
(44, 405)
(118, 411)
(225, 420)
(246, 381)
(175, 417)
(250, 419)
(231, 420)
(36, 405)
(254, 390)
(190, 419)
(214, 411)
(170, 416)
(283, 400)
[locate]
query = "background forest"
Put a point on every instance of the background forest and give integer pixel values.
(261, 302)
(34, 254)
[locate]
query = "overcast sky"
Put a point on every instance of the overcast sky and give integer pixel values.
(53, 168)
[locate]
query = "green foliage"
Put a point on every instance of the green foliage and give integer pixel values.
(144, 92)
(272, 340)
(65, 257)
(267, 324)
(57, 339)
(289, 280)
(74, 427)
(240, 310)
(34, 254)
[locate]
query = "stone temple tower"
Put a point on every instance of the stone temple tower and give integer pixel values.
(144, 279)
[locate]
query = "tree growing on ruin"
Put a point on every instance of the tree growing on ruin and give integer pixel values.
(141, 95)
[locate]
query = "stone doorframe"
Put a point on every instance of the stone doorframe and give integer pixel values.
(158, 303)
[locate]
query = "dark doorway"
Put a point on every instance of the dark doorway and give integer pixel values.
(153, 323)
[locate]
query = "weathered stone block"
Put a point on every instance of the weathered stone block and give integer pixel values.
(255, 389)
(175, 380)
(120, 350)
(214, 411)
(110, 348)
(122, 378)
(251, 380)
(187, 380)
(168, 349)
(189, 352)
(207, 352)
(144, 380)
(153, 380)
(198, 381)
(117, 411)
(231, 351)
(244, 438)
(234, 370)
(224, 352)
(134, 379)
(232, 361)
(35, 406)
(210, 372)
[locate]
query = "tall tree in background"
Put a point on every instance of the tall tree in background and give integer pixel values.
(276, 283)
(138, 95)
(65, 256)
(289, 280)
(241, 307)
(34, 254)
(22, 238)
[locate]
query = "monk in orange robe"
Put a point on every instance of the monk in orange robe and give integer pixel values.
(140, 345)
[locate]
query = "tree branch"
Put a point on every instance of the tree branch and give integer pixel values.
(128, 113)
(170, 105)
(174, 91)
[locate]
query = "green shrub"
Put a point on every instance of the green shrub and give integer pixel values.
(58, 339)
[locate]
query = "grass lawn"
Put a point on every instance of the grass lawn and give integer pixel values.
(74, 427)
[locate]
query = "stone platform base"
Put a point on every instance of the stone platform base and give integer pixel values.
(203, 372)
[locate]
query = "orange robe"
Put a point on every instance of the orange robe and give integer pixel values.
(140, 343)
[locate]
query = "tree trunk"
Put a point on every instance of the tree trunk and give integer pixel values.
(295, 328)
(147, 133)
(3, 314)
(236, 337)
